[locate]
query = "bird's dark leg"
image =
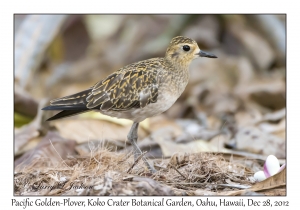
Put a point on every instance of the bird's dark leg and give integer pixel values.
(133, 136)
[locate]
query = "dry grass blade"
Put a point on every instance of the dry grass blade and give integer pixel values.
(177, 170)
(136, 161)
(238, 186)
(59, 154)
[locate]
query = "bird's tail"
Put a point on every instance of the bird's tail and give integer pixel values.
(69, 105)
(66, 113)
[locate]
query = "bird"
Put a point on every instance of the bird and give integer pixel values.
(137, 91)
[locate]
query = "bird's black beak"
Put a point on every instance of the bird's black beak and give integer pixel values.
(206, 54)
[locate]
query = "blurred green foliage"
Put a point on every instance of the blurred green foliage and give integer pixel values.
(21, 120)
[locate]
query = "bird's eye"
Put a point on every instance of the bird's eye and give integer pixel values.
(186, 48)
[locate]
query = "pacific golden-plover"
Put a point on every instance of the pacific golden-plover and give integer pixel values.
(137, 91)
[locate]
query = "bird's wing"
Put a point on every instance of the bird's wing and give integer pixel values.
(132, 86)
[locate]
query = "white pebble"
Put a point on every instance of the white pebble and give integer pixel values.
(259, 176)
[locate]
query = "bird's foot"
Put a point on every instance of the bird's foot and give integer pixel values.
(140, 155)
(133, 136)
(150, 167)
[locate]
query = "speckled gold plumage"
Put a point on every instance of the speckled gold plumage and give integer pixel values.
(137, 85)
(134, 85)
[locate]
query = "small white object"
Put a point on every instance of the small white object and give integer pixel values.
(98, 187)
(193, 129)
(259, 176)
(271, 166)
(79, 190)
(63, 179)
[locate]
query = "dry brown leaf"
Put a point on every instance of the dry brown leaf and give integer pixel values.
(271, 183)
(84, 130)
(272, 27)
(253, 140)
(30, 144)
(274, 192)
(268, 93)
(31, 130)
(271, 128)
(249, 117)
(168, 146)
(258, 48)
(275, 116)
(24, 103)
(278, 180)
(160, 121)
(24, 135)
(52, 147)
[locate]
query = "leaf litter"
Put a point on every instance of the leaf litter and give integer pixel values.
(106, 172)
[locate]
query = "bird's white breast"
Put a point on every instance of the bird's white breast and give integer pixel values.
(164, 102)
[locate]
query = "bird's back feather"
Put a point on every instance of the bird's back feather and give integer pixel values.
(133, 86)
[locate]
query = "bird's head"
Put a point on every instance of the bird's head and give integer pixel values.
(183, 50)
